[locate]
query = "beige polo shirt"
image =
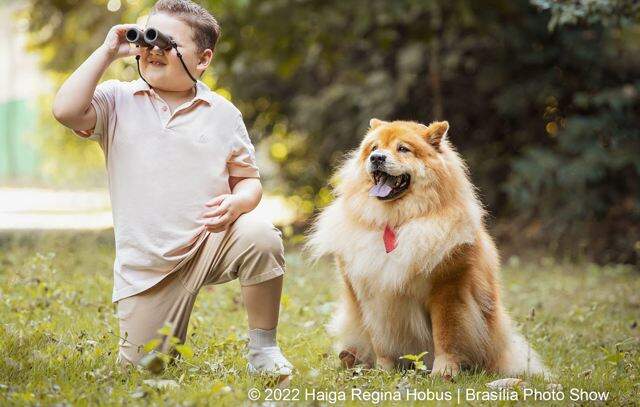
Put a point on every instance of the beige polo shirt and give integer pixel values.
(162, 168)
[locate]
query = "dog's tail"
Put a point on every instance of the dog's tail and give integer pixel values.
(519, 357)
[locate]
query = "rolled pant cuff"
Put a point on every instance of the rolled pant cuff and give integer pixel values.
(261, 278)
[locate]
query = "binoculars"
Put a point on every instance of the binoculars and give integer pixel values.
(153, 38)
(149, 38)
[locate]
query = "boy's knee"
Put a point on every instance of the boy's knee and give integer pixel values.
(260, 234)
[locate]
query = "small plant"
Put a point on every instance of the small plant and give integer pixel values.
(155, 360)
(417, 361)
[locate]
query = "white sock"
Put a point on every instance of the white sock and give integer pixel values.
(261, 338)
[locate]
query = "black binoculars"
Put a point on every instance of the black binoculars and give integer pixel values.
(149, 38)
(153, 38)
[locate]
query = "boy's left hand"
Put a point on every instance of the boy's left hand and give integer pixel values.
(226, 211)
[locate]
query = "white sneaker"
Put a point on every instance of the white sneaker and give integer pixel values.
(269, 360)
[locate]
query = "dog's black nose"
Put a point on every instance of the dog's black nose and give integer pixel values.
(377, 158)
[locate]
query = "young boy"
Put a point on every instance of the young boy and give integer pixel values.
(183, 181)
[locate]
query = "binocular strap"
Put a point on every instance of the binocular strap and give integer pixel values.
(181, 61)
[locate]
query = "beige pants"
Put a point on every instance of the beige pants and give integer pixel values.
(251, 250)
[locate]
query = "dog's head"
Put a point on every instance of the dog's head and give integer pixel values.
(401, 170)
(397, 154)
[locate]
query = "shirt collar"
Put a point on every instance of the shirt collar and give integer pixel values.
(202, 91)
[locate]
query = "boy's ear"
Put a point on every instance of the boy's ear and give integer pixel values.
(205, 59)
(435, 132)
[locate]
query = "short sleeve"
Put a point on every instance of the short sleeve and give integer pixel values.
(242, 161)
(103, 102)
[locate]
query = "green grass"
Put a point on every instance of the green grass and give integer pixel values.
(58, 331)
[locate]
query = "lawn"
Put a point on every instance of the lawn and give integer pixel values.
(58, 334)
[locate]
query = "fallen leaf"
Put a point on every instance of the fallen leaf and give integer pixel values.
(161, 384)
(554, 387)
(507, 383)
(12, 363)
(138, 393)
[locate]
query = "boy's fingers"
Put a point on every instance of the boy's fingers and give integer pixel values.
(220, 210)
(219, 221)
(125, 27)
(208, 222)
(216, 200)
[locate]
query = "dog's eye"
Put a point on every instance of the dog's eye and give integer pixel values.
(403, 149)
(374, 148)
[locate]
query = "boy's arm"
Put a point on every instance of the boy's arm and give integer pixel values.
(248, 191)
(244, 183)
(72, 104)
(244, 197)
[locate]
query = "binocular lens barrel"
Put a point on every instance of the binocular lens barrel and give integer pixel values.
(155, 37)
(149, 38)
(136, 36)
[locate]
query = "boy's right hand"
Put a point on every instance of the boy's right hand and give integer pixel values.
(116, 44)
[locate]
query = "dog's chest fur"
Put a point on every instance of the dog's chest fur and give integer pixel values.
(369, 266)
(405, 271)
(391, 289)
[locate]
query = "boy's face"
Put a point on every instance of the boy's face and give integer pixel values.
(162, 69)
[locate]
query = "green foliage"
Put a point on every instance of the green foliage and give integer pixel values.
(547, 119)
(59, 331)
(590, 11)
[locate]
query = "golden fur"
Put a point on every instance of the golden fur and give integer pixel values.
(438, 290)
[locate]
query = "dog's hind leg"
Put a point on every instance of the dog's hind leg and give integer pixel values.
(461, 335)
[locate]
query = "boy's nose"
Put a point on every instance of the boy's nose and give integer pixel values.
(156, 50)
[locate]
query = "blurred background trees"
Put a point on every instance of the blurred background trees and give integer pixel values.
(543, 98)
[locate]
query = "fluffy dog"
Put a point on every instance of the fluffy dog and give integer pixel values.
(420, 270)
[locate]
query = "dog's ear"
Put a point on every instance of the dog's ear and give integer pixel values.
(435, 132)
(373, 123)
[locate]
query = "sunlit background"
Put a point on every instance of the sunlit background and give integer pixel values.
(32, 195)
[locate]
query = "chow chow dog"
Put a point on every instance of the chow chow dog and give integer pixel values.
(420, 270)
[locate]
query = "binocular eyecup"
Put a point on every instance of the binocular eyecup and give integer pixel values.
(149, 38)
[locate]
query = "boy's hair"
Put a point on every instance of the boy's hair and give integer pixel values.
(206, 29)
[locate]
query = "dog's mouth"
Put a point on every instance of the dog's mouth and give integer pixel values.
(389, 186)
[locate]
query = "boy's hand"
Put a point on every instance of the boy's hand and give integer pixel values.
(227, 208)
(116, 44)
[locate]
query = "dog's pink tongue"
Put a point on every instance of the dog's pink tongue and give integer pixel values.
(380, 190)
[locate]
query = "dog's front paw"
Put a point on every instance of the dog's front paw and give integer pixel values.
(446, 366)
(348, 358)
